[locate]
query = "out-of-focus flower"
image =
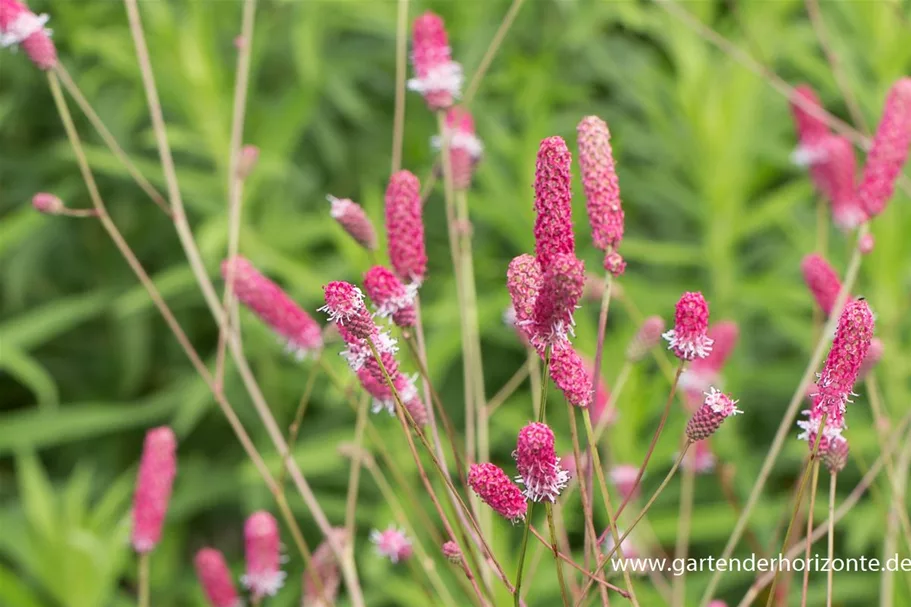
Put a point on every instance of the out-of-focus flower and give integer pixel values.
(215, 578)
(246, 161)
(437, 77)
(264, 576)
(47, 203)
(646, 338)
(321, 582)
(701, 457)
(354, 221)
(452, 552)
(705, 372)
(405, 227)
(465, 149)
(20, 26)
(157, 469)
(392, 543)
(811, 128)
(822, 280)
(874, 354)
(889, 151)
(623, 476)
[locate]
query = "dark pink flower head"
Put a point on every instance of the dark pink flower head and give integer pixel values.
(688, 339)
(602, 190)
(834, 175)
(569, 373)
(437, 77)
(324, 569)
(452, 552)
(562, 285)
(345, 306)
(273, 306)
(822, 280)
(465, 148)
(392, 543)
(538, 465)
(157, 469)
(497, 491)
(889, 151)
(523, 280)
(19, 25)
(264, 576)
(553, 201)
(351, 216)
(874, 354)
(246, 161)
(646, 338)
(811, 127)
(390, 296)
(701, 457)
(215, 578)
(716, 408)
(623, 476)
(405, 227)
(47, 203)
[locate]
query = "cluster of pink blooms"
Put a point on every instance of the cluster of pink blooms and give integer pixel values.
(437, 77)
(392, 543)
(647, 337)
(21, 27)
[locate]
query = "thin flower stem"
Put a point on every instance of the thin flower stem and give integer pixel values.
(354, 475)
(651, 447)
(789, 416)
(302, 404)
(553, 546)
(667, 479)
(508, 389)
(543, 543)
(401, 65)
(495, 43)
(887, 584)
(143, 598)
(832, 485)
(806, 572)
(681, 550)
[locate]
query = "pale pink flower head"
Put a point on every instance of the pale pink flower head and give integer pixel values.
(701, 457)
(345, 306)
(418, 411)
(874, 354)
(599, 179)
(811, 128)
(273, 306)
(646, 338)
(324, 569)
(866, 243)
(215, 578)
(19, 25)
(392, 543)
(822, 280)
(553, 201)
(538, 465)
(264, 576)
(716, 408)
(437, 77)
(157, 469)
(405, 227)
(452, 552)
(391, 297)
(562, 285)
(246, 161)
(689, 339)
(623, 476)
(47, 203)
(465, 148)
(889, 151)
(571, 376)
(353, 219)
(497, 491)
(834, 174)
(523, 281)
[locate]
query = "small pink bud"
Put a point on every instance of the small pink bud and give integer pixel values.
(553, 201)
(538, 465)
(47, 203)
(325, 570)
(437, 77)
(836, 455)
(273, 306)
(405, 227)
(215, 578)
(345, 306)
(562, 285)
(157, 469)
(497, 491)
(646, 338)
(390, 296)
(708, 418)
(264, 576)
(465, 148)
(392, 543)
(718, 604)
(602, 190)
(246, 160)
(688, 339)
(354, 220)
(18, 25)
(523, 280)
(569, 373)
(822, 280)
(889, 151)
(452, 552)
(623, 476)
(866, 243)
(614, 263)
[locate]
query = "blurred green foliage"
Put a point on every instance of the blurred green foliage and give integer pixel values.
(711, 202)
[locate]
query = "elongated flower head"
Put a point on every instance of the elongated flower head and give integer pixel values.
(405, 227)
(345, 306)
(874, 354)
(538, 465)
(689, 339)
(392, 543)
(264, 576)
(569, 372)
(246, 161)
(822, 280)
(20, 26)
(811, 128)
(523, 281)
(623, 476)
(646, 338)
(889, 151)
(716, 408)
(553, 201)
(836, 455)
(273, 306)
(437, 77)
(562, 285)
(834, 174)
(497, 491)
(452, 552)
(215, 578)
(47, 203)
(157, 469)
(391, 297)
(353, 219)
(465, 148)
(602, 190)
(322, 580)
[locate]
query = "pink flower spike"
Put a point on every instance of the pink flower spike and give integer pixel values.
(465, 148)
(646, 338)
(538, 465)
(390, 296)
(354, 221)
(405, 227)
(822, 280)
(157, 469)
(392, 543)
(599, 179)
(246, 161)
(569, 373)
(811, 128)
(623, 476)
(452, 552)
(437, 77)
(553, 201)
(274, 307)
(345, 306)
(47, 203)
(324, 569)
(18, 25)
(497, 491)
(215, 578)
(264, 576)
(688, 338)
(889, 151)
(523, 280)
(708, 418)
(561, 289)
